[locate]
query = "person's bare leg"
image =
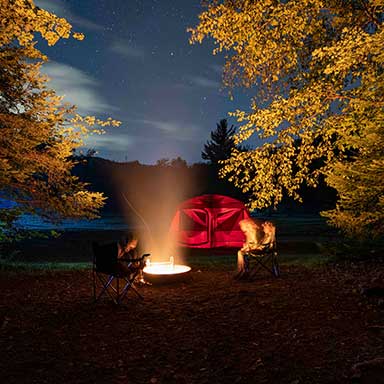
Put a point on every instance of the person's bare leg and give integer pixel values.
(240, 265)
(240, 261)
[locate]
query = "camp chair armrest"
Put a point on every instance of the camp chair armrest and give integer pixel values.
(262, 247)
(135, 260)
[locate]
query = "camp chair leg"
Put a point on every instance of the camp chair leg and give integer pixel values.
(124, 291)
(276, 271)
(107, 273)
(266, 268)
(129, 285)
(262, 265)
(260, 262)
(137, 292)
(94, 284)
(106, 285)
(276, 268)
(253, 271)
(119, 294)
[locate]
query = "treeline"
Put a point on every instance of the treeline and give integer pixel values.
(169, 182)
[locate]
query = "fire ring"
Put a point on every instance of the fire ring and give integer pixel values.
(166, 273)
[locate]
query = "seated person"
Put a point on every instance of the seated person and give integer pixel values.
(254, 243)
(269, 237)
(126, 251)
(252, 232)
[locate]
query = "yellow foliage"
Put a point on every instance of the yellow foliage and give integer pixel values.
(317, 68)
(38, 133)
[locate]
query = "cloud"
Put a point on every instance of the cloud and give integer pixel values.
(217, 68)
(204, 82)
(175, 129)
(198, 82)
(165, 126)
(143, 133)
(112, 140)
(77, 87)
(62, 10)
(124, 49)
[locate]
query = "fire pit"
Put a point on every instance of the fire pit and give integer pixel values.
(165, 272)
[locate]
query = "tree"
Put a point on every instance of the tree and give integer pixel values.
(359, 184)
(177, 162)
(317, 66)
(38, 133)
(221, 144)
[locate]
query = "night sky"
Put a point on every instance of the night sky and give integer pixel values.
(136, 65)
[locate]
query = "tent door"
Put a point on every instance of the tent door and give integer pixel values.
(226, 231)
(195, 227)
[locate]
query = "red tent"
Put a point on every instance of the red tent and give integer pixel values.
(209, 221)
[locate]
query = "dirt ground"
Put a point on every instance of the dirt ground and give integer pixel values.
(309, 326)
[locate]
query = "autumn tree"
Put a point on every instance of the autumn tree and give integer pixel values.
(38, 133)
(317, 66)
(221, 144)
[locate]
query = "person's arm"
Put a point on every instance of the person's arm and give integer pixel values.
(120, 251)
(266, 242)
(134, 260)
(249, 246)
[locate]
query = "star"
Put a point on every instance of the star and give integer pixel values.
(155, 60)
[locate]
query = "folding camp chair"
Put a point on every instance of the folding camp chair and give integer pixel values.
(108, 277)
(265, 258)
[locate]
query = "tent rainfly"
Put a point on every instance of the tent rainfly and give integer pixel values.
(209, 221)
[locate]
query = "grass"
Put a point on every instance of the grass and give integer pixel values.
(205, 259)
(228, 262)
(305, 260)
(214, 262)
(43, 266)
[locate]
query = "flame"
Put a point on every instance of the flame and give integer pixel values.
(165, 268)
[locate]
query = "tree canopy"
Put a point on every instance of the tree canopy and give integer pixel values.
(221, 144)
(317, 68)
(38, 132)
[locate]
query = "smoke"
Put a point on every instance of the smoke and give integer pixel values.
(149, 196)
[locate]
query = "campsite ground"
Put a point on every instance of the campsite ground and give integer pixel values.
(312, 325)
(315, 324)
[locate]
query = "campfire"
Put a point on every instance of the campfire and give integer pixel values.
(165, 272)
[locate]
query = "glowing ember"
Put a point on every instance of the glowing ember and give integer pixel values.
(161, 269)
(165, 268)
